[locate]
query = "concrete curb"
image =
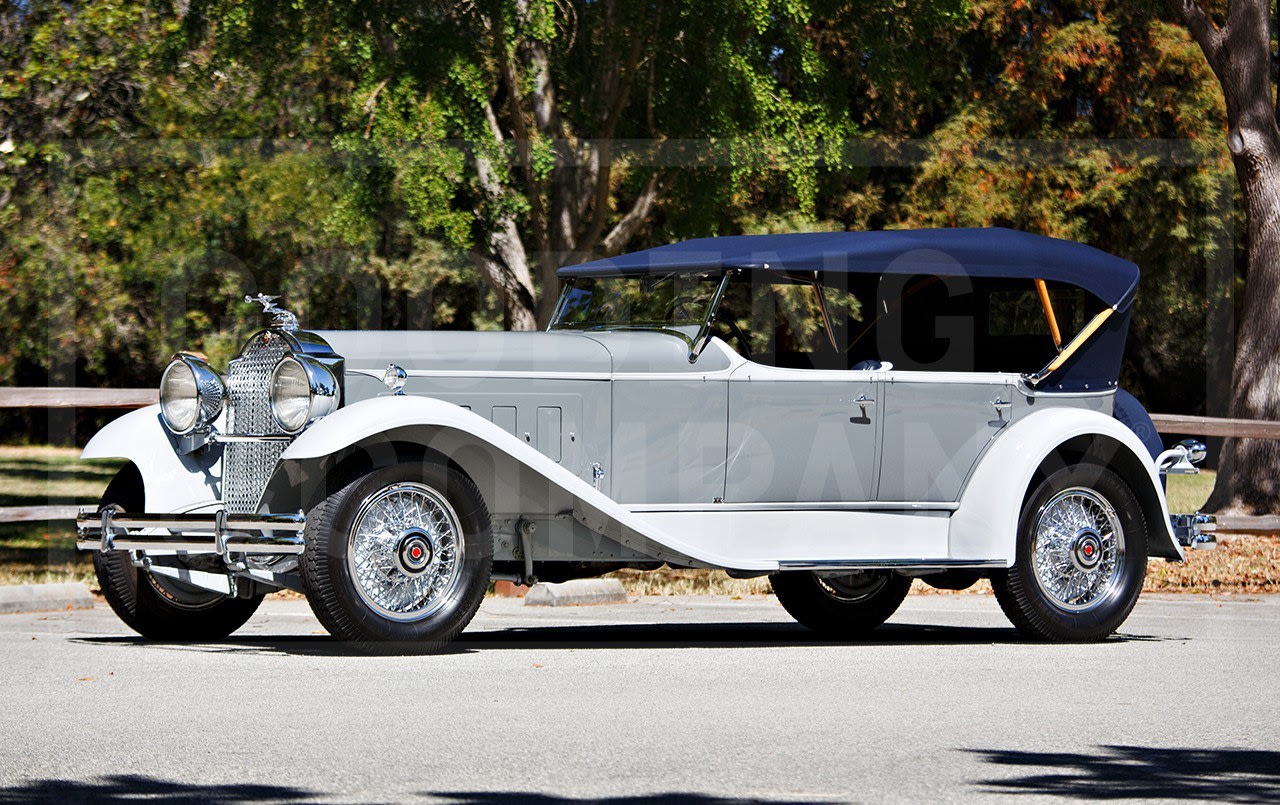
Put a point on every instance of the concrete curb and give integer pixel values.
(576, 593)
(44, 598)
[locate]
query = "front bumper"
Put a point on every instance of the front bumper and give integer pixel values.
(1195, 530)
(113, 530)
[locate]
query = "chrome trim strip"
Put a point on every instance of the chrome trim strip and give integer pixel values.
(227, 438)
(892, 564)
(481, 374)
(870, 505)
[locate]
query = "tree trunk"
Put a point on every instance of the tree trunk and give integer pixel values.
(1239, 53)
(1249, 469)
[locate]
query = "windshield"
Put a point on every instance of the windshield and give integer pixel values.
(665, 300)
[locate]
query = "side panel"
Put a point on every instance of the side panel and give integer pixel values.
(668, 440)
(985, 524)
(935, 427)
(173, 482)
(800, 435)
(525, 407)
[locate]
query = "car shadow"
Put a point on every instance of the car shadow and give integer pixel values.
(1140, 772)
(528, 798)
(615, 636)
(132, 788)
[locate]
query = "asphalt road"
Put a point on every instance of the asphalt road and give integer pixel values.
(700, 700)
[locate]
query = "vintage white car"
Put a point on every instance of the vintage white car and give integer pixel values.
(842, 412)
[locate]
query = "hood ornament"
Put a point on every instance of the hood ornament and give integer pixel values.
(281, 319)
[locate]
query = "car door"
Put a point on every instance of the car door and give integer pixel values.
(936, 425)
(801, 435)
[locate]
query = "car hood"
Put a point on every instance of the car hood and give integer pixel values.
(550, 353)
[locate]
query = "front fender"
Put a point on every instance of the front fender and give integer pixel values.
(172, 482)
(514, 478)
(985, 525)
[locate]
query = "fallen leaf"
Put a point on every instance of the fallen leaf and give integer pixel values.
(86, 679)
(537, 665)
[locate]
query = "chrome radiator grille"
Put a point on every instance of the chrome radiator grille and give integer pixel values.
(247, 466)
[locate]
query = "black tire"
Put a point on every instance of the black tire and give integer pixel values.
(332, 588)
(840, 607)
(161, 608)
(1033, 610)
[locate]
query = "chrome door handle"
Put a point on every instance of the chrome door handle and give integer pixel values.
(1000, 405)
(863, 402)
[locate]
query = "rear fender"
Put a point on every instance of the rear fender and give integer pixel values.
(985, 526)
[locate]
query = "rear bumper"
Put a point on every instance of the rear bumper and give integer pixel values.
(1195, 530)
(218, 532)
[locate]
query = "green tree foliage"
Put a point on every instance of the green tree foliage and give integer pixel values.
(395, 164)
(1097, 122)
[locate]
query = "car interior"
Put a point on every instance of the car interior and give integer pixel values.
(846, 321)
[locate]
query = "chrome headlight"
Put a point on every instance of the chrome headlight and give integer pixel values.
(191, 395)
(302, 391)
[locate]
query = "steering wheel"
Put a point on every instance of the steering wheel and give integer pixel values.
(736, 334)
(680, 303)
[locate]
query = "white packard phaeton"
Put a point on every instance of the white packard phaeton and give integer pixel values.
(842, 412)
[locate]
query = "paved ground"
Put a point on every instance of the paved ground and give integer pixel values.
(700, 700)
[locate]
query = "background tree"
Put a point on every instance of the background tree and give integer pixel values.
(494, 122)
(1058, 127)
(1238, 48)
(406, 165)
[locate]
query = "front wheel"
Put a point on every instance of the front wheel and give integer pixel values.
(841, 605)
(158, 607)
(402, 554)
(1081, 558)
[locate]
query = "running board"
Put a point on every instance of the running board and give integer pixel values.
(895, 564)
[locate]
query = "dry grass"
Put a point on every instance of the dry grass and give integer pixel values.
(33, 553)
(39, 552)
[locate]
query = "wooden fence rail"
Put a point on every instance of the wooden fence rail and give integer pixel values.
(76, 397)
(1216, 426)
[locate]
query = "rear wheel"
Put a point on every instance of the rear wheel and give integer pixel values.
(1081, 560)
(157, 607)
(402, 554)
(841, 605)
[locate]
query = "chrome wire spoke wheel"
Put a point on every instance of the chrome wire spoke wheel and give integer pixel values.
(406, 551)
(1077, 550)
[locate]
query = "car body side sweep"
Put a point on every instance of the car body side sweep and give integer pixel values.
(521, 482)
(839, 411)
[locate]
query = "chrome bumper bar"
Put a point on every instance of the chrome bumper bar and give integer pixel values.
(219, 532)
(1195, 530)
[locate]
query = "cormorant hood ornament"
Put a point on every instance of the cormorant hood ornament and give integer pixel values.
(281, 319)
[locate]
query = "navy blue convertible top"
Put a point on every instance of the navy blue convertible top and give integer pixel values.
(940, 252)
